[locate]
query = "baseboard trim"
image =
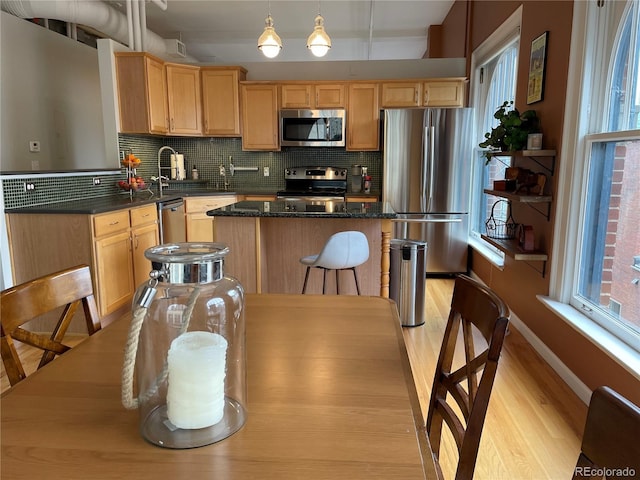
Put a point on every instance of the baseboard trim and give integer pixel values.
(571, 379)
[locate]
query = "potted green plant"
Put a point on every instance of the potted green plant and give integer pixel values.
(511, 133)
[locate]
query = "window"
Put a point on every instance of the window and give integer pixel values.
(597, 229)
(494, 67)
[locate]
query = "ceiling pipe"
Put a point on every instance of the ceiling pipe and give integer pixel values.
(143, 25)
(97, 15)
(136, 27)
(130, 35)
(370, 30)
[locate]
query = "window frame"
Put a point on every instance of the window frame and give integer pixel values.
(492, 47)
(594, 34)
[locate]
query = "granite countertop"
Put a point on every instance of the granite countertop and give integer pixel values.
(282, 208)
(114, 202)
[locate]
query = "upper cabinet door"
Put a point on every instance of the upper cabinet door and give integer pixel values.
(363, 117)
(401, 94)
(259, 117)
(221, 100)
(444, 92)
(330, 95)
(297, 96)
(142, 93)
(185, 104)
(314, 96)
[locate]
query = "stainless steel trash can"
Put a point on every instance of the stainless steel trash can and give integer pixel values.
(407, 280)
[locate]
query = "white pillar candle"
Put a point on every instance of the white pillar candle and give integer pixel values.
(195, 398)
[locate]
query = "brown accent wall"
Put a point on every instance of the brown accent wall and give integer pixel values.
(519, 283)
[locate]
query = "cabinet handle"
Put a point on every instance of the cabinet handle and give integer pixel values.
(114, 223)
(171, 124)
(416, 96)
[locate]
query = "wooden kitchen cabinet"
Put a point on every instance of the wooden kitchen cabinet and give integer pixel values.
(142, 93)
(313, 96)
(199, 225)
(438, 92)
(363, 117)
(112, 244)
(184, 99)
(445, 92)
(401, 94)
(221, 100)
(259, 116)
(120, 240)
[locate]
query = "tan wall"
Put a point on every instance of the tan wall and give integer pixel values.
(518, 283)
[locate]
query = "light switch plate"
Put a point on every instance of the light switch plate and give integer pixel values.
(265, 171)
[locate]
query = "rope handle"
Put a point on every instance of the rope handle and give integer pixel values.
(131, 349)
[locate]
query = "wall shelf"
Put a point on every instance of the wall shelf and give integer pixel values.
(513, 250)
(531, 200)
(549, 164)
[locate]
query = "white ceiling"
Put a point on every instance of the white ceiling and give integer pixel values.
(226, 32)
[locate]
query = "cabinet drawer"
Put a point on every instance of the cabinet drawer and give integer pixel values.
(144, 215)
(110, 223)
(202, 205)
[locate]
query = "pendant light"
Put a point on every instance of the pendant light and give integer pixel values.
(269, 42)
(319, 42)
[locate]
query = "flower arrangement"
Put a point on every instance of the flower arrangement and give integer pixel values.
(512, 131)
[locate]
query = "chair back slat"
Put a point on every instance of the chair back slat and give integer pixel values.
(67, 289)
(477, 309)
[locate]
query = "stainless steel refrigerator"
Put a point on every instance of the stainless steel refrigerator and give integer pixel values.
(427, 181)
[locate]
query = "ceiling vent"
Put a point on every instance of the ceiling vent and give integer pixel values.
(175, 48)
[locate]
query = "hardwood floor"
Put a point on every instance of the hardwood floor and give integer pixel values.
(534, 423)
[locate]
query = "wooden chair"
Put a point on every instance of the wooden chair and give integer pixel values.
(472, 305)
(68, 288)
(611, 439)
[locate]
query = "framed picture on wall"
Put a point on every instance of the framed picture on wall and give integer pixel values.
(535, 88)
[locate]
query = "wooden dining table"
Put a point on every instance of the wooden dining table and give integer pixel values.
(330, 396)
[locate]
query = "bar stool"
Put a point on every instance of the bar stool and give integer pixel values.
(343, 251)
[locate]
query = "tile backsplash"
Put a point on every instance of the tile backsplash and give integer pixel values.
(207, 154)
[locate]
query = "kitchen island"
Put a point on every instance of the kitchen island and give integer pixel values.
(267, 240)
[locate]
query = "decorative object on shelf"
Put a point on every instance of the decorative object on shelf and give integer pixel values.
(501, 229)
(526, 180)
(526, 238)
(186, 346)
(534, 141)
(512, 131)
(535, 88)
(269, 42)
(319, 42)
(505, 185)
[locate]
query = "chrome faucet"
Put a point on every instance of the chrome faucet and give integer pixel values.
(160, 176)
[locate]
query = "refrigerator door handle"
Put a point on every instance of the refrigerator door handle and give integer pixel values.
(430, 220)
(430, 135)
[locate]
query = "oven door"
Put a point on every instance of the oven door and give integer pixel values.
(312, 128)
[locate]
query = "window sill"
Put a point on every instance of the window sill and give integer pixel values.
(491, 255)
(620, 352)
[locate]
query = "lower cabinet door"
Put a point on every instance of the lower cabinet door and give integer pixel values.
(115, 280)
(199, 228)
(143, 238)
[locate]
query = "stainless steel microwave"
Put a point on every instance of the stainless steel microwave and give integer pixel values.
(312, 128)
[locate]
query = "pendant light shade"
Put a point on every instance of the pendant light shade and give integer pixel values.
(269, 42)
(319, 42)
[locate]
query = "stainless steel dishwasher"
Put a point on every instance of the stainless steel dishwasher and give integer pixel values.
(172, 223)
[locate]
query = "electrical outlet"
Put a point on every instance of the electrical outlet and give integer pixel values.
(265, 171)
(34, 146)
(96, 181)
(28, 187)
